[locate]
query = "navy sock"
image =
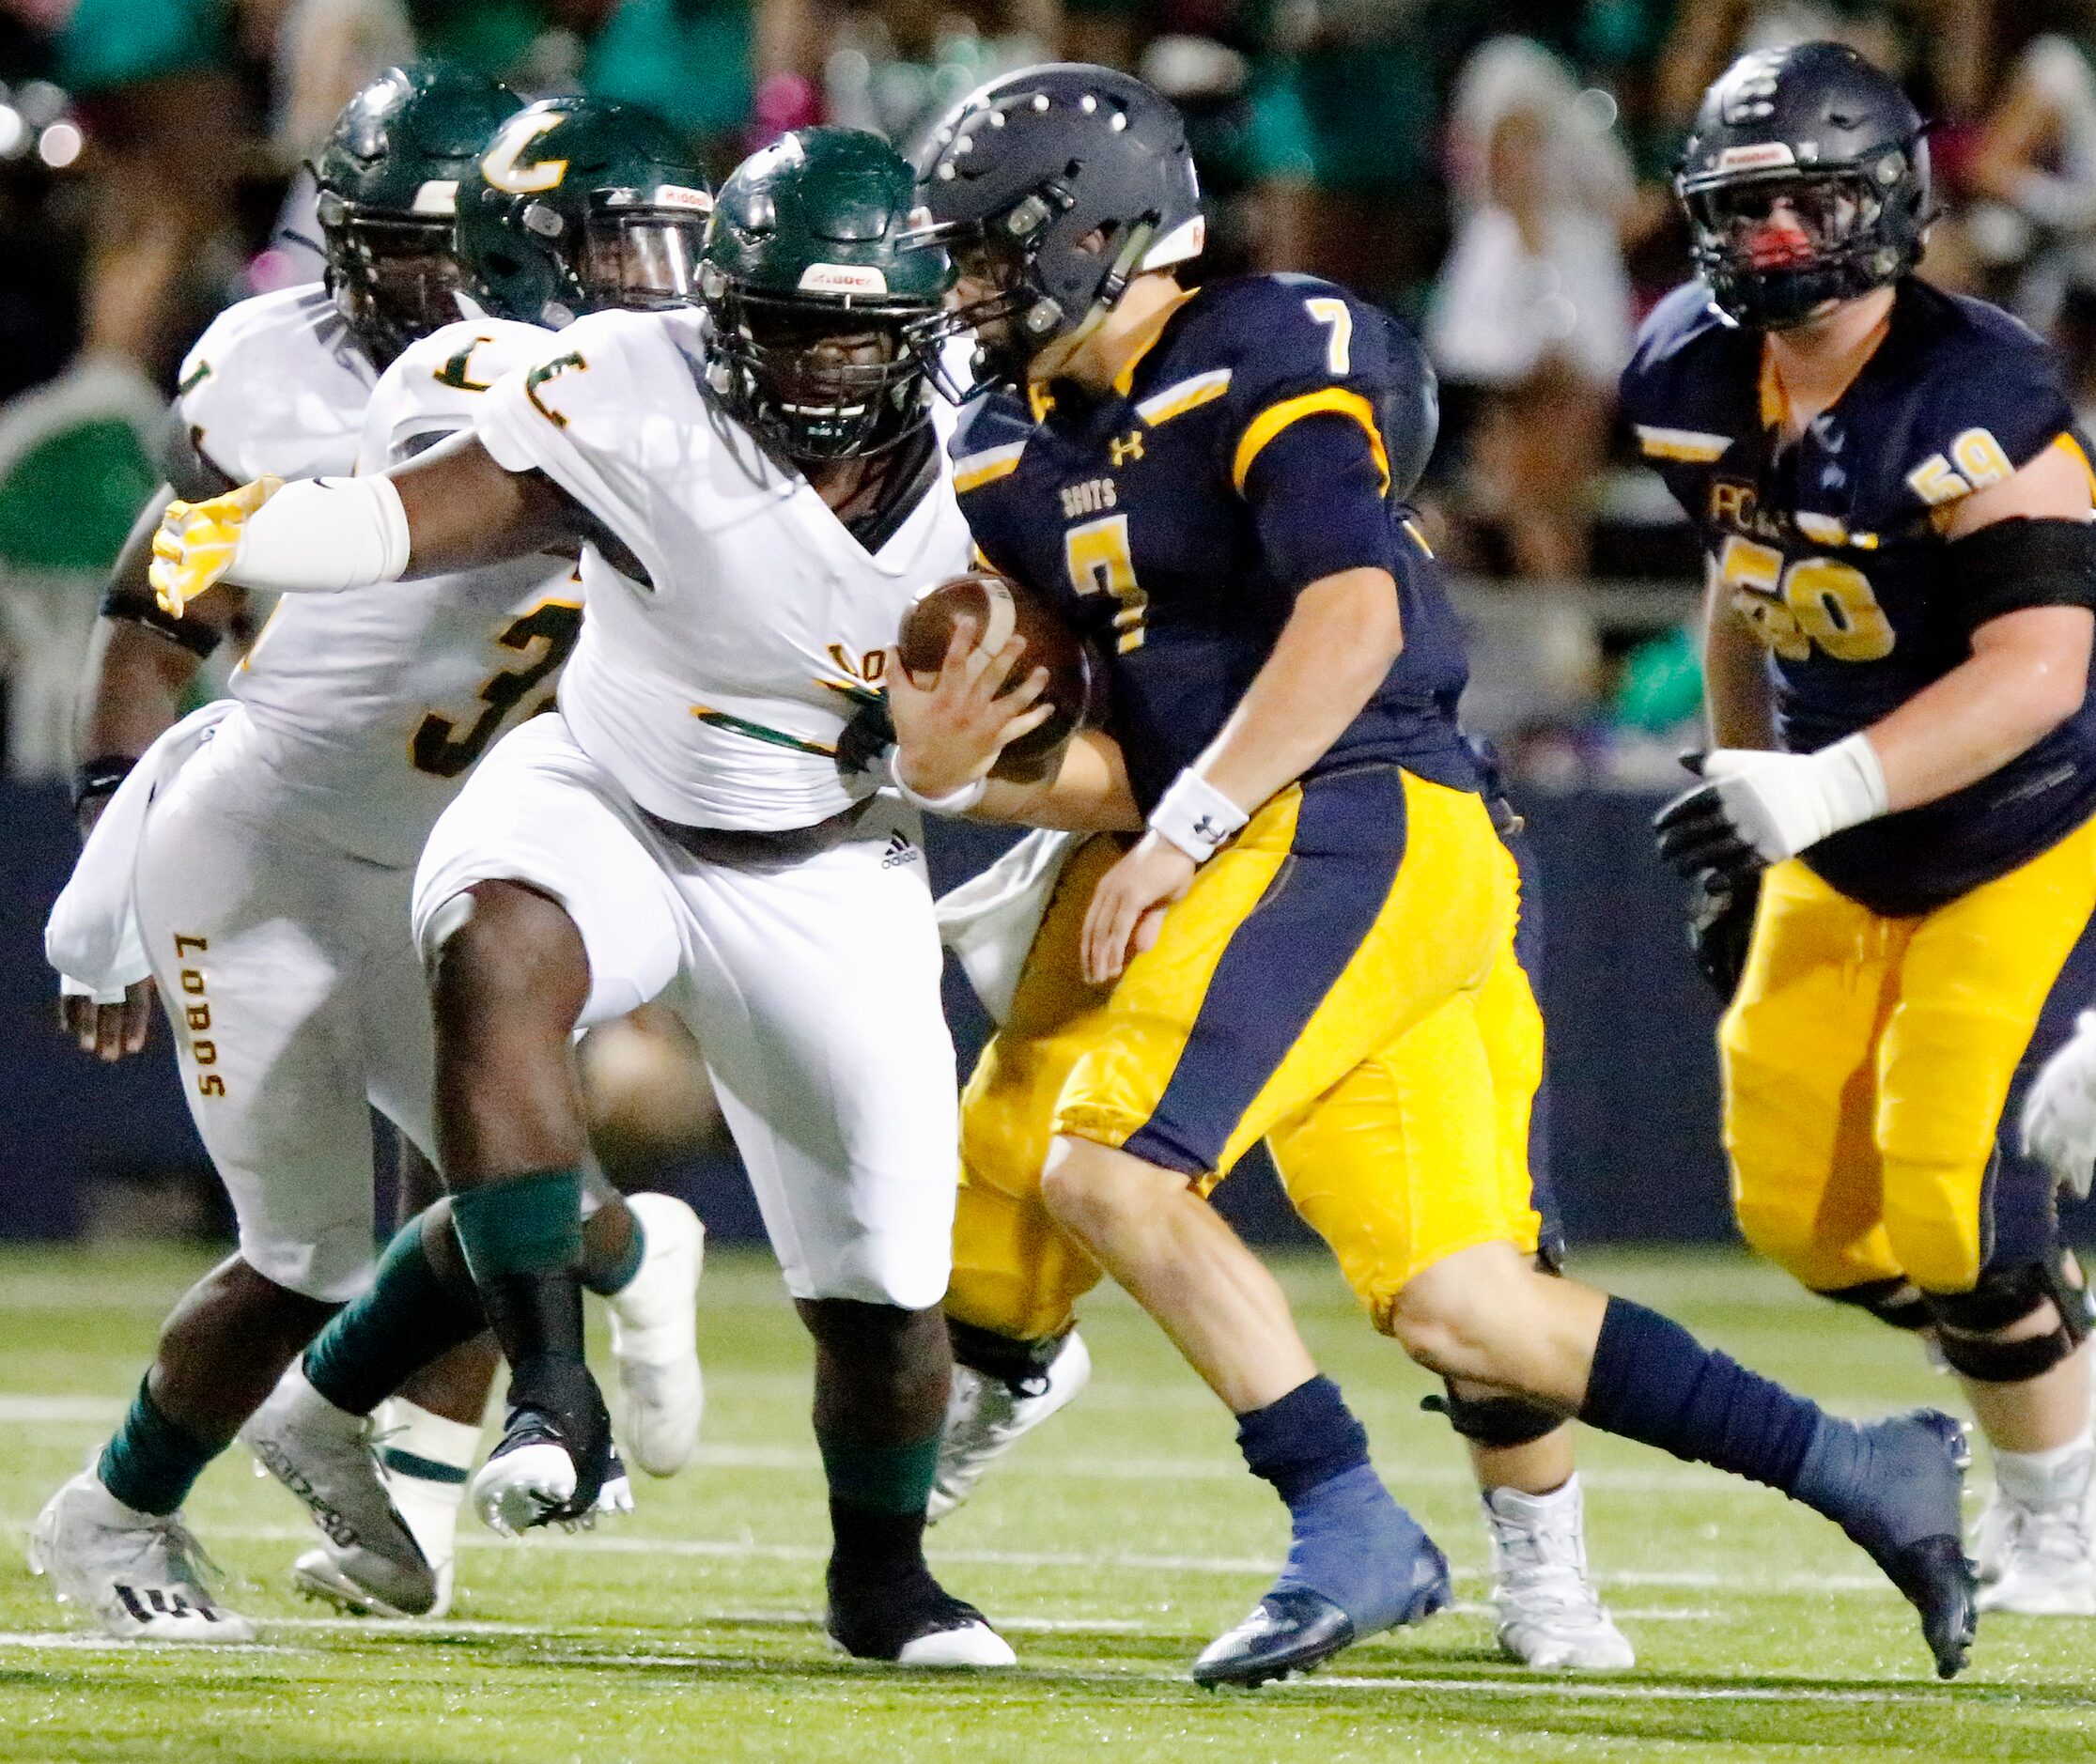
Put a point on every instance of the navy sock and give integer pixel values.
(1349, 1542)
(1655, 1383)
(152, 1462)
(1307, 1437)
(402, 1320)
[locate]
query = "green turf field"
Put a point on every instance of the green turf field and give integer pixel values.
(1109, 1548)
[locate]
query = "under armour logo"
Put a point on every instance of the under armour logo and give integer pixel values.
(1123, 451)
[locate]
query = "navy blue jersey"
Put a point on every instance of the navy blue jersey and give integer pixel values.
(1260, 441)
(1833, 551)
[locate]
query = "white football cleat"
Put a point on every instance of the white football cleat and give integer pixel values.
(371, 1562)
(1549, 1615)
(516, 1489)
(2035, 1546)
(660, 1395)
(986, 1418)
(140, 1576)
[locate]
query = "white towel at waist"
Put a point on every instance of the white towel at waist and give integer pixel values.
(92, 937)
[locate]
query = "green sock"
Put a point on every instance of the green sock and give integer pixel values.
(152, 1462)
(880, 1478)
(619, 1276)
(523, 1225)
(402, 1320)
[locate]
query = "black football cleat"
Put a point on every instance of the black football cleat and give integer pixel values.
(1296, 1629)
(913, 1622)
(1290, 1630)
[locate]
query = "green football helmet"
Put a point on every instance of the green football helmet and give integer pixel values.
(826, 290)
(579, 205)
(388, 179)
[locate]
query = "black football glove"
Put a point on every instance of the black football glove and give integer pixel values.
(1721, 928)
(1700, 836)
(869, 734)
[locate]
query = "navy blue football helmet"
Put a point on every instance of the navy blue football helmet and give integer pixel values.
(1806, 179)
(1022, 174)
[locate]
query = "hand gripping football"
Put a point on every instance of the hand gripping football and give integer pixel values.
(1000, 610)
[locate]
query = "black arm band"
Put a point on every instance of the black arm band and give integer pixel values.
(100, 777)
(139, 608)
(2017, 564)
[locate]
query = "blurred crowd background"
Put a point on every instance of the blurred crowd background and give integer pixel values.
(1497, 171)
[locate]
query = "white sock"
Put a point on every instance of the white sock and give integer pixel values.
(427, 1458)
(1518, 1504)
(2046, 1478)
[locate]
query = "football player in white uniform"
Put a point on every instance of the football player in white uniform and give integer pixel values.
(269, 868)
(621, 227)
(761, 496)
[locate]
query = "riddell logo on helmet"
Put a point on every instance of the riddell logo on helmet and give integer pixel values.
(842, 278)
(683, 197)
(1759, 156)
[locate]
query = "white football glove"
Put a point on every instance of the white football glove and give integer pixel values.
(2059, 1114)
(1757, 808)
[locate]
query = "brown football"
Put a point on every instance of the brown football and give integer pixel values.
(1001, 609)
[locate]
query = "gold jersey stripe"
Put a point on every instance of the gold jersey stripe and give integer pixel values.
(1335, 401)
(986, 468)
(1184, 396)
(1690, 444)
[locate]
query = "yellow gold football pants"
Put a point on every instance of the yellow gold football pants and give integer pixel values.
(1866, 1061)
(1397, 1110)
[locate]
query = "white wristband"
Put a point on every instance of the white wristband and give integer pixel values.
(953, 802)
(320, 535)
(1853, 778)
(1195, 816)
(1783, 803)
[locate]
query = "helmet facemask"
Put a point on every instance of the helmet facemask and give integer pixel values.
(822, 380)
(631, 255)
(393, 276)
(641, 257)
(1003, 298)
(1776, 249)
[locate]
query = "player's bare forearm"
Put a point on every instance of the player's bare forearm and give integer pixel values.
(1335, 650)
(464, 511)
(2027, 673)
(1088, 793)
(136, 677)
(1738, 703)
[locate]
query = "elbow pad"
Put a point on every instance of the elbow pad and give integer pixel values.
(322, 536)
(2017, 564)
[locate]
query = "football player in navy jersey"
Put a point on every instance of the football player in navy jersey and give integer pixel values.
(1895, 507)
(1312, 940)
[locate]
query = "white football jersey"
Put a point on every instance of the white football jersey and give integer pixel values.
(715, 690)
(276, 384)
(370, 707)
